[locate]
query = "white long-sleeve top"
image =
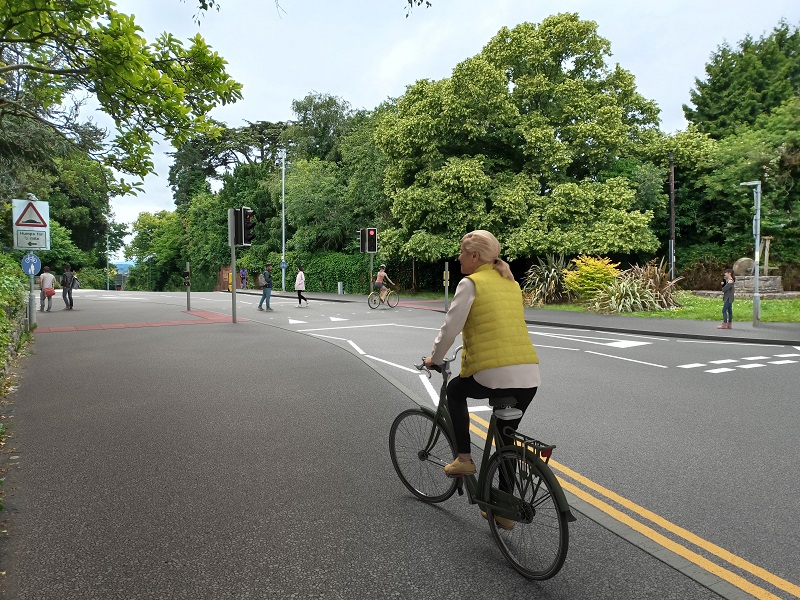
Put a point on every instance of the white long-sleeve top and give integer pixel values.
(513, 376)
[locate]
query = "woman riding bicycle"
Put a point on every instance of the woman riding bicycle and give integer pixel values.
(379, 282)
(498, 358)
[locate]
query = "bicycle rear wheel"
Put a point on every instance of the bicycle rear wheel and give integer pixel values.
(392, 299)
(420, 465)
(374, 300)
(537, 544)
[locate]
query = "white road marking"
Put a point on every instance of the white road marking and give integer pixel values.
(337, 319)
(330, 337)
(557, 348)
(345, 327)
(588, 339)
(781, 362)
(359, 350)
(755, 358)
(722, 370)
(750, 366)
(680, 341)
(627, 359)
(724, 361)
(295, 321)
(786, 355)
(691, 366)
(426, 383)
(391, 364)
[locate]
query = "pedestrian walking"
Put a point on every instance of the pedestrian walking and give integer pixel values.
(47, 284)
(265, 281)
(300, 286)
(67, 281)
(243, 278)
(728, 282)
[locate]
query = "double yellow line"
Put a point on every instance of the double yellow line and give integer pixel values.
(740, 582)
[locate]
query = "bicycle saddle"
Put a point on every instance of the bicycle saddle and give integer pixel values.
(503, 402)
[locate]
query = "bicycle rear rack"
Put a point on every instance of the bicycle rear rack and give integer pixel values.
(540, 449)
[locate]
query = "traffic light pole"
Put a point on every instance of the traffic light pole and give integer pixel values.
(232, 243)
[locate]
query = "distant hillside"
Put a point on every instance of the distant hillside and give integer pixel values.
(123, 268)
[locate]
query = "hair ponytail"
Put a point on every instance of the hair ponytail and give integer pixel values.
(488, 249)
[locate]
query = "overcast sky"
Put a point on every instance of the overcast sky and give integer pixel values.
(366, 51)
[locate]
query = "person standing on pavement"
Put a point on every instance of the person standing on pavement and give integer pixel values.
(728, 282)
(265, 281)
(67, 279)
(47, 281)
(243, 278)
(300, 286)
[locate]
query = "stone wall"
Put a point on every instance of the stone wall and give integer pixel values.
(19, 326)
(767, 284)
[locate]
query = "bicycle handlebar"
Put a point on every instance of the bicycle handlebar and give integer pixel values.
(442, 368)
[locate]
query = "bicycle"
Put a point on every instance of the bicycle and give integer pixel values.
(392, 299)
(513, 482)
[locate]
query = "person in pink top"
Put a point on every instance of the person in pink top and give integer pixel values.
(300, 286)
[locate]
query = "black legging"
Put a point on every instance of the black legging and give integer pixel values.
(459, 389)
(300, 296)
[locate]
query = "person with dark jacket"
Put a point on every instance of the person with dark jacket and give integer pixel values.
(728, 281)
(67, 281)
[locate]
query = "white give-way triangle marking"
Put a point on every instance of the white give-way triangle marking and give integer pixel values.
(294, 321)
(337, 319)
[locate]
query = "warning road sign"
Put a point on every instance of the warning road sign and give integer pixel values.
(30, 217)
(31, 222)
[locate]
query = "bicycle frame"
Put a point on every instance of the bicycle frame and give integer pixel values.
(501, 503)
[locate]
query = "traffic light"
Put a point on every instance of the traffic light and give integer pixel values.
(372, 240)
(237, 225)
(362, 234)
(248, 225)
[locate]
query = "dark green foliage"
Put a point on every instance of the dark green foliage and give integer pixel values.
(544, 282)
(745, 82)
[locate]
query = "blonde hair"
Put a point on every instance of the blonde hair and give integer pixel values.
(486, 246)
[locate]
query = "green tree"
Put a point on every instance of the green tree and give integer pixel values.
(745, 82)
(53, 51)
(320, 121)
(533, 122)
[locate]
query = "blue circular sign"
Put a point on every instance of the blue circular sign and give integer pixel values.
(31, 264)
(283, 264)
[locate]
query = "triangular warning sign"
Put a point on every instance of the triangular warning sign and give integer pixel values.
(30, 217)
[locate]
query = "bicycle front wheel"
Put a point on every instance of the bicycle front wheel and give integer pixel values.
(536, 538)
(392, 299)
(374, 300)
(419, 459)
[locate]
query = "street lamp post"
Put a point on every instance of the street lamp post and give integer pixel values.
(671, 216)
(756, 185)
(283, 219)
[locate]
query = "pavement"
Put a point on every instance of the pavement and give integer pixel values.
(742, 331)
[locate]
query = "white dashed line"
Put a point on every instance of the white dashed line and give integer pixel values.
(781, 362)
(755, 358)
(751, 366)
(724, 361)
(691, 366)
(722, 370)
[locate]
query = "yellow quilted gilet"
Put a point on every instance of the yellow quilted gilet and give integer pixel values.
(495, 334)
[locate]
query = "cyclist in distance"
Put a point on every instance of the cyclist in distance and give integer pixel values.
(379, 282)
(498, 357)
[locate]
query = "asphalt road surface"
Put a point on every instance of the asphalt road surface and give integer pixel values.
(158, 453)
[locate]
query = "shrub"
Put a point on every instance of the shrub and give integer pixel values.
(627, 293)
(704, 274)
(654, 276)
(586, 276)
(544, 282)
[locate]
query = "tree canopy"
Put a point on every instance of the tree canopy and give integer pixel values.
(745, 82)
(53, 53)
(536, 120)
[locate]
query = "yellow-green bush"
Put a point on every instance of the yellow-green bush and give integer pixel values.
(587, 275)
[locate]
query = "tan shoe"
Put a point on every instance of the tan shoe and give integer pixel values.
(502, 522)
(460, 467)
